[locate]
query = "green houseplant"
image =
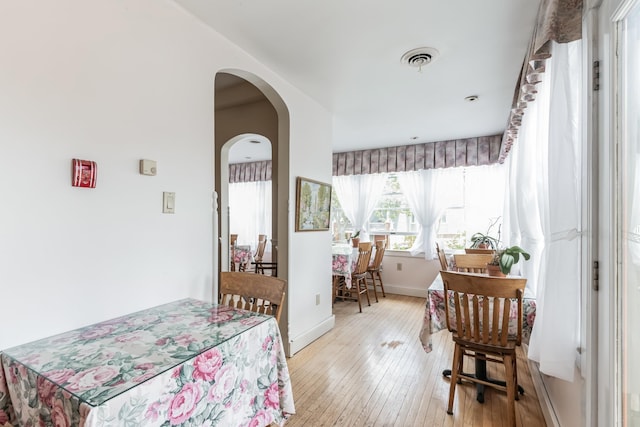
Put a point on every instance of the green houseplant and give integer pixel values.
(506, 258)
(480, 240)
(485, 240)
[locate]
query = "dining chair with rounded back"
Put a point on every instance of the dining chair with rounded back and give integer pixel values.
(253, 292)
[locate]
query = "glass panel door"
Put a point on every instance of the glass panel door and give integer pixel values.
(629, 119)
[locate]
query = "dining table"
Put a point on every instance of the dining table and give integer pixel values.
(344, 258)
(184, 363)
(435, 320)
(242, 256)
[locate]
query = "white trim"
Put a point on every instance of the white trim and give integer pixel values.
(402, 290)
(550, 417)
(301, 341)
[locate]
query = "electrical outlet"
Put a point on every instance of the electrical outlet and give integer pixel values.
(317, 299)
(399, 266)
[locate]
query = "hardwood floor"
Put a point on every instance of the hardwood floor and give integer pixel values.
(371, 370)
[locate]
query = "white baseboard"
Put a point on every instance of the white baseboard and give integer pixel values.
(402, 290)
(301, 341)
(550, 416)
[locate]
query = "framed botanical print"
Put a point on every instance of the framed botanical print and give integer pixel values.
(313, 205)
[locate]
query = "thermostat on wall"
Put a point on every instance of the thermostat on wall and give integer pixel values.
(148, 167)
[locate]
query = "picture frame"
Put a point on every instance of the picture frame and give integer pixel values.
(313, 205)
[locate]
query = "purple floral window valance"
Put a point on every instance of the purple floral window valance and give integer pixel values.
(484, 150)
(559, 21)
(250, 172)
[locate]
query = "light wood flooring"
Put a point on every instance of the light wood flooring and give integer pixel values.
(371, 370)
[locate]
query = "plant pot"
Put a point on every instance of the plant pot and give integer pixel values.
(355, 241)
(494, 270)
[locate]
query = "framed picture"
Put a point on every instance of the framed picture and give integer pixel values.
(83, 173)
(313, 204)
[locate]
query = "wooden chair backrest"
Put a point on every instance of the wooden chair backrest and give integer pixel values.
(482, 305)
(479, 251)
(262, 244)
(444, 265)
(364, 256)
(377, 260)
(472, 263)
(253, 292)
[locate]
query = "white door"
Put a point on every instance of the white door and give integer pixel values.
(628, 168)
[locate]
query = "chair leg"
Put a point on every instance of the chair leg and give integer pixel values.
(511, 390)
(366, 290)
(355, 285)
(381, 284)
(457, 353)
(373, 281)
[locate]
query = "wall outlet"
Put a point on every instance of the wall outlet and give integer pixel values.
(317, 299)
(399, 266)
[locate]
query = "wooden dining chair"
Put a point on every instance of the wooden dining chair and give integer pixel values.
(260, 265)
(479, 251)
(479, 322)
(358, 277)
(233, 240)
(375, 267)
(253, 292)
(472, 263)
(444, 264)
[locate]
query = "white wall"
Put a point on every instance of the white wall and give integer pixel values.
(115, 82)
(408, 275)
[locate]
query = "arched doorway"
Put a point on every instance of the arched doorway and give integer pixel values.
(246, 105)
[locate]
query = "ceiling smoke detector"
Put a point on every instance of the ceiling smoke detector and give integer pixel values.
(419, 57)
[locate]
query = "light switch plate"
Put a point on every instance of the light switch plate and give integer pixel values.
(148, 167)
(168, 202)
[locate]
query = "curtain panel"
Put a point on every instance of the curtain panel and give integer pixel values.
(484, 150)
(250, 172)
(558, 21)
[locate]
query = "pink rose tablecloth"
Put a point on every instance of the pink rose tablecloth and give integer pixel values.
(435, 315)
(187, 363)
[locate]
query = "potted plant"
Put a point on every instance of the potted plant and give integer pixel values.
(485, 240)
(355, 239)
(504, 259)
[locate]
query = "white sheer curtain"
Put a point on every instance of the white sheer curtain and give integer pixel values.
(427, 201)
(543, 211)
(358, 195)
(250, 211)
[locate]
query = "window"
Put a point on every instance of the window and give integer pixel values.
(474, 199)
(391, 218)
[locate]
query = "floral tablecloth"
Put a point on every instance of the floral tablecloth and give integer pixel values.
(343, 262)
(186, 363)
(242, 256)
(435, 315)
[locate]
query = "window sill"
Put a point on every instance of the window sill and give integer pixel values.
(402, 254)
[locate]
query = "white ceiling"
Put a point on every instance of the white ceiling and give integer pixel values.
(346, 54)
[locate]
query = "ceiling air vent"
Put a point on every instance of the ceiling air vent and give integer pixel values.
(419, 57)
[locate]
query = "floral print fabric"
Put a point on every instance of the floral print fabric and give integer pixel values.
(343, 262)
(180, 364)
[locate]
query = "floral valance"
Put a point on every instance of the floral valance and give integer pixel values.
(559, 21)
(482, 150)
(250, 172)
